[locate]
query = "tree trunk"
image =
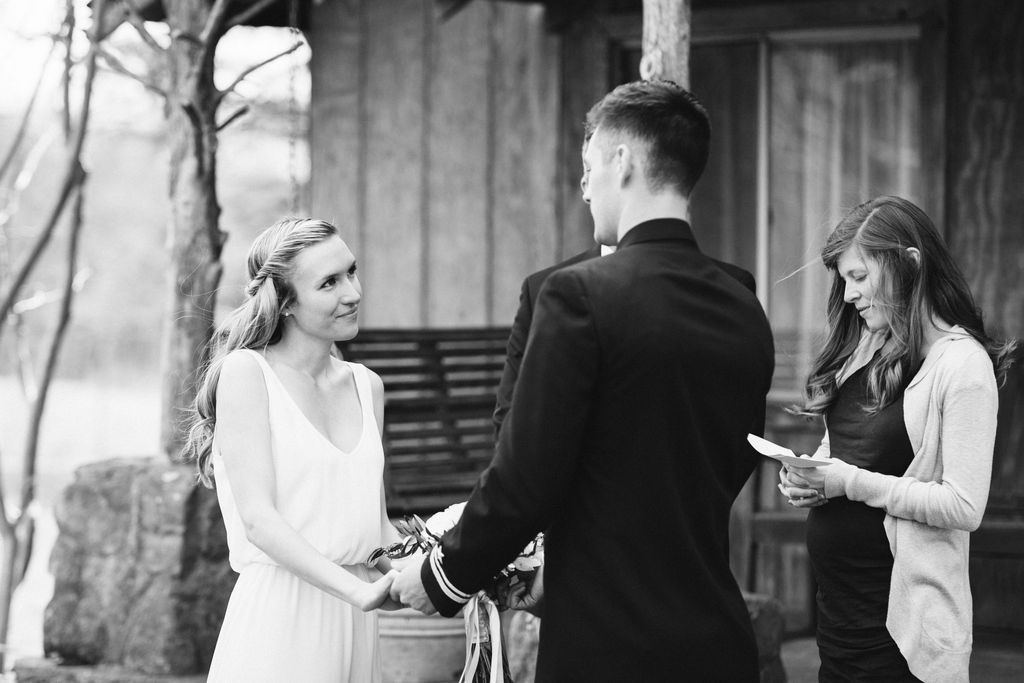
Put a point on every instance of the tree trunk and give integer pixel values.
(666, 41)
(195, 240)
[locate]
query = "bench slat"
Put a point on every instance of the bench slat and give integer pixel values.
(440, 387)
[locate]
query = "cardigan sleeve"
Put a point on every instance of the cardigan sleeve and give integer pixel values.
(968, 404)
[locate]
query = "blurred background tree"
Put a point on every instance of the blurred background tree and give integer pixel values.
(36, 370)
(104, 399)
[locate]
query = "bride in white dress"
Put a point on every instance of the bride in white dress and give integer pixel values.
(290, 435)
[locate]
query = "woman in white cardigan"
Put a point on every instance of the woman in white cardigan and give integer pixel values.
(906, 383)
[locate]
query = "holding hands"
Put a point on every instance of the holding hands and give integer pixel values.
(408, 590)
(377, 595)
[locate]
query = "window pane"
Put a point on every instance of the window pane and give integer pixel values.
(843, 129)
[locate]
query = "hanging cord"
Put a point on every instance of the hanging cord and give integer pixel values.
(294, 113)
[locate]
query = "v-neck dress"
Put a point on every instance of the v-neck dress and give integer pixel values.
(278, 627)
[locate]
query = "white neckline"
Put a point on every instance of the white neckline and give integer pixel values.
(360, 399)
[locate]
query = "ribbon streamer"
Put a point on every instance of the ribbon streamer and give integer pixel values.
(480, 608)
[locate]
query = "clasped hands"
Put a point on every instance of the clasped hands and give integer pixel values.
(405, 589)
(399, 586)
(805, 488)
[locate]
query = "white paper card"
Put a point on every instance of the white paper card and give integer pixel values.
(783, 454)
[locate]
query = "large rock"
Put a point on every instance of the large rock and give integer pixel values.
(141, 577)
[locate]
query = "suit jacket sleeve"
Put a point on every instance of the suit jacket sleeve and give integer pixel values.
(514, 355)
(748, 281)
(538, 453)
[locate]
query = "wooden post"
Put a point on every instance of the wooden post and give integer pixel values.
(666, 41)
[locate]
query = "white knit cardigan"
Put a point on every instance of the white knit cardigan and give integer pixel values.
(949, 409)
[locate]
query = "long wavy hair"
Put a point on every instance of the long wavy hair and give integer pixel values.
(255, 324)
(909, 291)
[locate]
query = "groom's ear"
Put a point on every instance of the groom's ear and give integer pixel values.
(625, 163)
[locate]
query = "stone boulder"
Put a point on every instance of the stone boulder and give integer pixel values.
(140, 569)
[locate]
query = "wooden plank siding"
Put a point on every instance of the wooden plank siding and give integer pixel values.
(985, 228)
(525, 149)
(459, 218)
(335, 118)
(435, 145)
(586, 77)
(450, 153)
(396, 156)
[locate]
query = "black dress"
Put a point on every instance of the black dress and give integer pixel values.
(848, 547)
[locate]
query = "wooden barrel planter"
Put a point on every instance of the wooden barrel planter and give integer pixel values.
(421, 649)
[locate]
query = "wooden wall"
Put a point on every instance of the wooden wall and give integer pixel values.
(435, 148)
(985, 227)
(449, 154)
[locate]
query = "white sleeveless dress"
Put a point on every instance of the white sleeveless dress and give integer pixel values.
(277, 627)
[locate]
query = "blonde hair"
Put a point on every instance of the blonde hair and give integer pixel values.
(255, 324)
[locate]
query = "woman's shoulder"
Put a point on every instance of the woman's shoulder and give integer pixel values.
(963, 359)
(241, 359)
(959, 347)
(376, 383)
(242, 366)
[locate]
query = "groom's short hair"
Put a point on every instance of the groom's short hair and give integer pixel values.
(668, 120)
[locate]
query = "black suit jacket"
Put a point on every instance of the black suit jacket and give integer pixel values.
(524, 318)
(626, 442)
(521, 331)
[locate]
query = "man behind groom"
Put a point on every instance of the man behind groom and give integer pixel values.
(625, 442)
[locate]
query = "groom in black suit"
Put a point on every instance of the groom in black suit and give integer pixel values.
(528, 293)
(643, 373)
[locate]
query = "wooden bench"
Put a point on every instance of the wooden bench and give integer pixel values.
(439, 392)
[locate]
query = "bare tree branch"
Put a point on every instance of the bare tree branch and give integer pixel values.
(12, 198)
(70, 181)
(16, 537)
(139, 24)
(67, 36)
(178, 34)
(23, 352)
(115, 64)
(198, 145)
(24, 523)
(25, 528)
(214, 23)
(28, 481)
(19, 135)
(237, 114)
(71, 177)
(254, 67)
(41, 299)
(248, 13)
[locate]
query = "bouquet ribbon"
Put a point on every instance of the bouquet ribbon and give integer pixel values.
(483, 625)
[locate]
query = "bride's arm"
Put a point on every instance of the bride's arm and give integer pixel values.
(243, 438)
(388, 533)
